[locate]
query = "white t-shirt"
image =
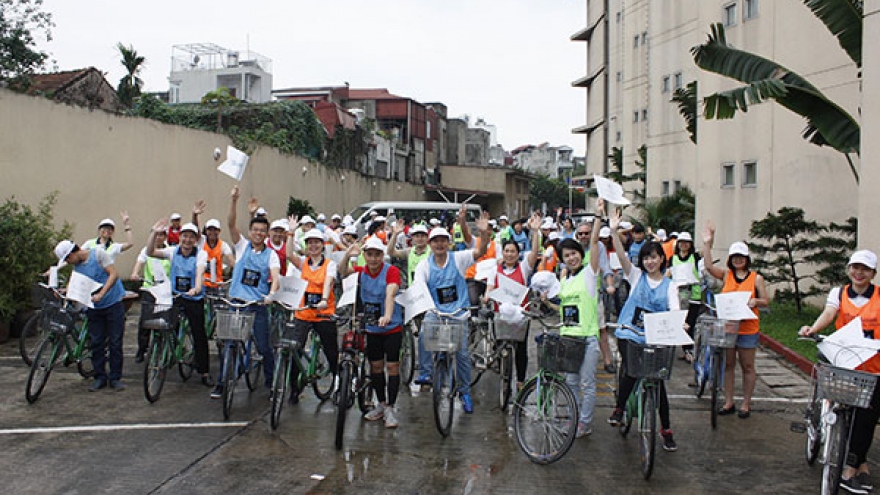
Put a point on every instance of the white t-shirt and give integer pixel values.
(243, 244)
(114, 250)
(462, 259)
(635, 275)
(834, 299)
(103, 258)
(169, 252)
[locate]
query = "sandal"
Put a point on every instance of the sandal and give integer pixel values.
(744, 413)
(726, 411)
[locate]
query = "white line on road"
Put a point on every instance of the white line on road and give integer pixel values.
(141, 426)
(754, 399)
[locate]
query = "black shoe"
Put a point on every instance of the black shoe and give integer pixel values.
(139, 357)
(743, 414)
(610, 368)
(294, 398)
(98, 385)
(217, 393)
(726, 411)
(852, 485)
(669, 444)
(207, 381)
(616, 418)
(117, 385)
(864, 479)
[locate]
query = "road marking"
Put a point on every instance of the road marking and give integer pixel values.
(693, 397)
(138, 426)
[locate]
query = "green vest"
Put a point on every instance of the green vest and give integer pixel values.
(506, 232)
(412, 260)
(696, 290)
(578, 308)
(149, 280)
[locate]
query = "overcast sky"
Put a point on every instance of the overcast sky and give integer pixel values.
(510, 62)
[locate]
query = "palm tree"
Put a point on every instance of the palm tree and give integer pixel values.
(673, 213)
(827, 123)
(686, 99)
(220, 98)
(130, 85)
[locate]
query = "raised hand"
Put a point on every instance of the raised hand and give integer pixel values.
(160, 225)
(535, 222)
(253, 205)
(235, 193)
(482, 222)
(614, 219)
(125, 217)
(709, 232)
(199, 207)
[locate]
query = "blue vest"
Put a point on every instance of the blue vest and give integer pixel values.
(522, 239)
(372, 293)
(183, 274)
(250, 277)
(92, 269)
(634, 249)
(643, 300)
(447, 286)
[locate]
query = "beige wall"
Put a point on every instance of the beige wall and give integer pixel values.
(102, 163)
(869, 200)
(501, 183)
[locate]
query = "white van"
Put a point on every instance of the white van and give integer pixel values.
(416, 210)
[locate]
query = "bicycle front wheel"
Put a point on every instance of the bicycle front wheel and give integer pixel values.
(186, 350)
(156, 367)
(365, 392)
(343, 398)
(701, 367)
(32, 335)
(324, 377)
(480, 352)
(253, 365)
(41, 367)
(813, 418)
(716, 389)
(838, 434)
(648, 431)
(505, 371)
(231, 362)
(407, 356)
(443, 395)
(545, 418)
(279, 387)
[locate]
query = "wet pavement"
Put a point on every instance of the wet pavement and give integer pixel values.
(72, 441)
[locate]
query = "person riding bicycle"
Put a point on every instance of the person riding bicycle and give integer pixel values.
(738, 277)
(859, 298)
(651, 291)
(188, 264)
(383, 320)
(443, 273)
(686, 255)
(218, 250)
(155, 270)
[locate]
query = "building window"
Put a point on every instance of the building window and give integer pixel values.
(728, 16)
(750, 174)
(635, 116)
(619, 76)
(618, 17)
(677, 84)
(644, 38)
(728, 175)
(677, 186)
(665, 188)
(665, 84)
(644, 114)
(617, 136)
(750, 9)
(636, 41)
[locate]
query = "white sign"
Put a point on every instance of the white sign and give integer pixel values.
(546, 282)
(158, 269)
(53, 276)
(610, 191)
(614, 261)
(666, 328)
(683, 274)
(848, 347)
(235, 164)
(291, 291)
(81, 287)
(161, 291)
(486, 269)
(349, 290)
(415, 300)
(734, 306)
(508, 291)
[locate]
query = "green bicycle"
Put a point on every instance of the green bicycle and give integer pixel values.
(171, 342)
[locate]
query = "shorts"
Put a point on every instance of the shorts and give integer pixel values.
(384, 346)
(747, 341)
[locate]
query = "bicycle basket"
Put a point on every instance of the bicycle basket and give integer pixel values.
(443, 335)
(511, 331)
(850, 387)
(55, 318)
(40, 294)
(649, 361)
(286, 337)
(158, 316)
(561, 354)
(234, 325)
(717, 332)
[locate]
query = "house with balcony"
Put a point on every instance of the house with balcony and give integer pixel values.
(199, 68)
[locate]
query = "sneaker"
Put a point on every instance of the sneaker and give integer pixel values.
(669, 444)
(217, 393)
(390, 418)
(117, 385)
(610, 368)
(852, 485)
(98, 385)
(616, 418)
(424, 380)
(467, 404)
(864, 479)
(583, 430)
(139, 357)
(376, 413)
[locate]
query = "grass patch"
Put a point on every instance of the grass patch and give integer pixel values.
(782, 323)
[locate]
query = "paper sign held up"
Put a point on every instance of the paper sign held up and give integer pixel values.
(235, 164)
(508, 291)
(734, 306)
(666, 328)
(683, 275)
(486, 269)
(848, 347)
(291, 290)
(349, 290)
(610, 191)
(80, 289)
(415, 301)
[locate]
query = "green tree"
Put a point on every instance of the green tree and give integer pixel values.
(22, 22)
(675, 212)
(219, 98)
(686, 99)
(828, 124)
(300, 208)
(616, 173)
(552, 192)
(836, 242)
(130, 85)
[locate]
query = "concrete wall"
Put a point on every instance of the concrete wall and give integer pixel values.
(102, 163)
(869, 200)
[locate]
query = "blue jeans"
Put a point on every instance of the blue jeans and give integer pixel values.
(106, 328)
(426, 359)
(462, 358)
(583, 383)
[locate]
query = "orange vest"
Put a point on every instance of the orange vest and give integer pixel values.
(669, 248)
(315, 278)
(471, 272)
(215, 253)
(746, 327)
(870, 314)
(548, 265)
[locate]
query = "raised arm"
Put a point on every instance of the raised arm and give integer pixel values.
(708, 241)
(614, 223)
(197, 209)
(465, 229)
(159, 226)
(594, 236)
(126, 222)
(483, 227)
(234, 233)
(535, 231)
(345, 264)
(392, 243)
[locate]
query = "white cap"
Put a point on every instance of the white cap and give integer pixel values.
(674, 234)
(548, 224)
(374, 213)
(685, 236)
(374, 243)
(434, 222)
(661, 234)
(321, 217)
(190, 227)
(604, 232)
(63, 250)
(439, 231)
(625, 225)
(260, 211)
(213, 224)
(738, 248)
(313, 234)
(379, 219)
(493, 223)
(350, 230)
(418, 229)
(336, 217)
(306, 219)
(107, 221)
(175, 216)
(554, 236)
(864, 257)
(502, 217)
(278, 224)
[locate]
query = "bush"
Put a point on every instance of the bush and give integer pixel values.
(783, 321)
(30, 237)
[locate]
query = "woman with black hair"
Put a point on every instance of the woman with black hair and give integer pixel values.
(686, 257)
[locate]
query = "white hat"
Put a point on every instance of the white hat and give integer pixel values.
(336, 217)
(864, 257)
(306, 219)
(502, 217)
(625, 225)
(350, 230)
(260, 211)
(374, 243)
(674, 234)
(661, 234)
(739, 248)
(379, 219)
(434, 222)
(438, 231)
(63, 250)
(190, 227)
(213, 224)
(604, 232)
(313, 234)
(107, 221)
(278, 224)
(685, 236)
(321, 217)
(418, 229)
(175, 216)
(374, 213)
(554, 236)
(493, 223)
(548, 224)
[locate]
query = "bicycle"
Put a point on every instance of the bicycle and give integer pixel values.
(309, 363)
(354, 376)
(828, 418)
(492, 348)
(66, 338)
(714, 336)
(650, 365)
(408, 351)
(171, 342)
(33, 333)
(235, 330)
(443, 337)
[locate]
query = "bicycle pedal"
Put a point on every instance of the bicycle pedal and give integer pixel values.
(797, 427)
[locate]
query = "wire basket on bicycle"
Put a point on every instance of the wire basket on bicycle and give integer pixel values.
(444, 334)
(234, 324)
(717, 332)
(56, 318)
(505, 330)
(158, 316)
(560, 354)
(649, 361)
(845, 386)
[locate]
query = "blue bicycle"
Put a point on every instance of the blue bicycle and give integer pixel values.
(712, 338)
(235, 328)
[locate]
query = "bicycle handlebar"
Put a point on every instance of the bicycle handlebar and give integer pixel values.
(637, 330)
(237, 305)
